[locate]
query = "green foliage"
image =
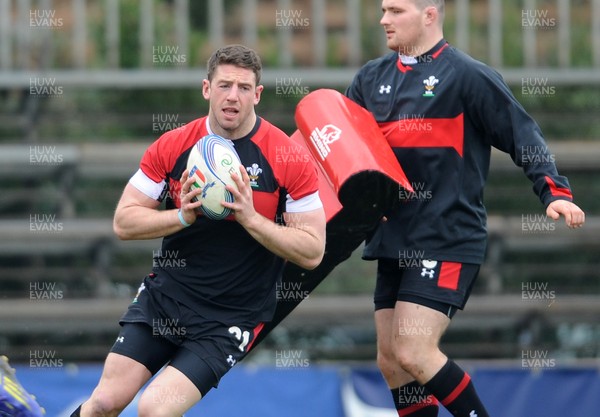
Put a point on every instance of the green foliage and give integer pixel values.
(129, 56)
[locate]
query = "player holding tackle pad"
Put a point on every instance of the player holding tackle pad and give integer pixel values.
(442, 112)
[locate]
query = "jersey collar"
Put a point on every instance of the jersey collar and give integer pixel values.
(242, 139)
(405, 62)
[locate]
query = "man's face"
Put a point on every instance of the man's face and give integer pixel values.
(232, 95)
(403, 23)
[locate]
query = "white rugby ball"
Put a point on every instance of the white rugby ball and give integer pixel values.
(211, 162)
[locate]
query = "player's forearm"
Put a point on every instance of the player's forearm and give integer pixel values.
(299, 245)
(139, 223)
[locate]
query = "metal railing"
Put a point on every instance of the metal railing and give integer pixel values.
(81, 43)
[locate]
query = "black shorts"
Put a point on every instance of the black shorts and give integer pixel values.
(441, 285)
(158, 331)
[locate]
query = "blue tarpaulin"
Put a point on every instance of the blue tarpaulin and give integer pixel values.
(330, 391)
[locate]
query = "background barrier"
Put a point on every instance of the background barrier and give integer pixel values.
(334, 391)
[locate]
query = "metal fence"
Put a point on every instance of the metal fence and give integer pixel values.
(81, 42)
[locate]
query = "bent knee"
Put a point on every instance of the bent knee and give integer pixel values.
(408, 359)
(411, 355)
(104, 404)
(386, 361)
(405, 349)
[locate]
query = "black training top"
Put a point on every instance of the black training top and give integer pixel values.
(441, 113)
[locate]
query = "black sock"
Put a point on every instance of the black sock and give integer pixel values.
(453, 388)
(76, 412)
(414, 400)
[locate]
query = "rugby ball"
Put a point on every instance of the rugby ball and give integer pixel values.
(211, 162)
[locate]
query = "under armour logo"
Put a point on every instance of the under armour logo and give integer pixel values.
(385, 89)
(121, 339)
(472, 413)
(428, 272)
(232, 362)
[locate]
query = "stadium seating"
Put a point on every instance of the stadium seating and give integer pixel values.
(95, 274)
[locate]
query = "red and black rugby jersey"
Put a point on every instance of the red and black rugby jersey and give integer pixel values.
(215, 266)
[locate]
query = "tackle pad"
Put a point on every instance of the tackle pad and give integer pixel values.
(360, 179)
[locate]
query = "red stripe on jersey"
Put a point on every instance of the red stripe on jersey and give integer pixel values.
(291, 163)
(439, 51)
(161, 155)
(558, 191)
(426, 133)
(430, 401)
(256, 331)
(458, 390)
(449, 275)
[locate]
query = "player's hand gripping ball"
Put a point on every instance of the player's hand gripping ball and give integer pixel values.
(211, 162)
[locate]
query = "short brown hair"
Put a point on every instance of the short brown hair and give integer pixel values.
(438, 4)
(238, 55)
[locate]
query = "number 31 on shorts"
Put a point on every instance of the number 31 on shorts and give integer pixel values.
(240, 336)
